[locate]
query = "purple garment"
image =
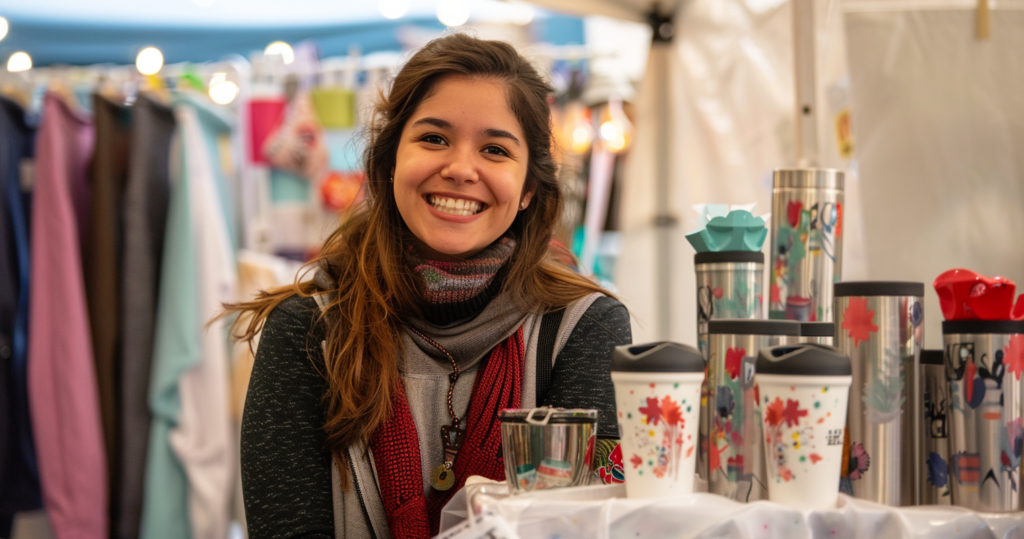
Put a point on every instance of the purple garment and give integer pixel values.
(61, 374)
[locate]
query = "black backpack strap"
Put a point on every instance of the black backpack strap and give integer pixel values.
(546, 351)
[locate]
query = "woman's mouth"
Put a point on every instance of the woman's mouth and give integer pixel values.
(455, 206)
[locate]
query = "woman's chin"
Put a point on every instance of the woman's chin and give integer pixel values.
(450, 251)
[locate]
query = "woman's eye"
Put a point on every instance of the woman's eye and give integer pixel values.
(496, 150)
(433, 139)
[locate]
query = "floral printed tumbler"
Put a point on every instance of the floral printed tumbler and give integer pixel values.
(803, 393)
(657, 393)
(880, 326)
(736, 466)
(807, 243)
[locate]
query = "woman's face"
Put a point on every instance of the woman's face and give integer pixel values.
(461, 167)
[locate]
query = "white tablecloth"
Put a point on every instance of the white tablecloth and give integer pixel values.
(603, 512)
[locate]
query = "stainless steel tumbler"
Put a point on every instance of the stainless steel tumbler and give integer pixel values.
(729, 285)
(935, 440)
(817, 332)
(880, 325)
(807, 243)
(735, 446)
(984, 360)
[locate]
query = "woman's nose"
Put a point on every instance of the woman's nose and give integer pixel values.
(460, 167)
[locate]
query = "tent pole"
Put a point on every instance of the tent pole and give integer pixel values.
(806, 88)
(664, 221)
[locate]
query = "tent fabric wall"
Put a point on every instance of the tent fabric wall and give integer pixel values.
(940, 142)
(731, 111)
(719, 98)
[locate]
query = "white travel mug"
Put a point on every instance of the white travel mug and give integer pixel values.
(657, 394)
(803, 394)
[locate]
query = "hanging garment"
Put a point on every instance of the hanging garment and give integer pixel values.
(144, 210)
(190, 471)
(19, 473)
(61, 374)
(100, 260)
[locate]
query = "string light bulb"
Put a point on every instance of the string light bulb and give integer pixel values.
(149, 61)
(19, 61)
(521, 13)
(453, 13)
(616, 129)
(282, 49)
(222, 91)
(393, 9)
(4, 27)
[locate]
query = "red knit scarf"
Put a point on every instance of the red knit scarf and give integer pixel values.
(396, 447)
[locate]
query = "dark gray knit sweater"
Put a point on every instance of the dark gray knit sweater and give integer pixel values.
(286, 469)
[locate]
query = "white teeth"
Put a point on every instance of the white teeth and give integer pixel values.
(454, 206)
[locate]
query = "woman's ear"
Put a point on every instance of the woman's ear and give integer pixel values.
(524, 202)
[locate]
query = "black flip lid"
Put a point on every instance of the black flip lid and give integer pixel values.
(982, 327)
(817, 329)
(879, 288)
(754, 327)
(557, 415)
(931, 357)
(728, 256)
(657, 357)
(803, 359)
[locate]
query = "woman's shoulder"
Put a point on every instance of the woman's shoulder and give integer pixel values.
(294, 313)
(291, 324)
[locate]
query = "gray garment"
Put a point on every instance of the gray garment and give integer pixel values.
(425, 376)
(144, 210)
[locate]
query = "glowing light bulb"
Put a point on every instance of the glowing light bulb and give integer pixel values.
(19, 61)
(520, 13)
(616, 129)
(453, 12)
(149, 61)
(393, 9)
(222, 91)
(581, 139)
(282, 49)
(4, 27)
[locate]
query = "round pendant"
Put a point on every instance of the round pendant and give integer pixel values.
(442, 478)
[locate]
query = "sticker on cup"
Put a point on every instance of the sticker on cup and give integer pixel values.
(553, 474)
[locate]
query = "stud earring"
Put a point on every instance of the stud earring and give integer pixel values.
(522, 206)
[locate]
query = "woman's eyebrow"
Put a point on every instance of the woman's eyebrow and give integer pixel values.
(436, 122)
(502, 134)
(445, 124)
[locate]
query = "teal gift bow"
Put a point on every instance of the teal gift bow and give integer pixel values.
(737, 231)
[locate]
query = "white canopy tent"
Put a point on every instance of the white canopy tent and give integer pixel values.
(933, 91)
(715, 115)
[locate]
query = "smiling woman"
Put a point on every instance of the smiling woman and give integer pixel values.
(377, 384)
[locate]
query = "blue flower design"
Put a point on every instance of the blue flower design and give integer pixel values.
(938, 470)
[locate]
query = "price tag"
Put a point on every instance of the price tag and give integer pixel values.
(485, 526)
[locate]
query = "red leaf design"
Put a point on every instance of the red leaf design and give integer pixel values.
(670, 412)
(815, 458)
(636, 461)
(733, 360)
(793, 413)
(774, 415)
(652, 411)
(1015, 355)
(858, 320)
(793, 212)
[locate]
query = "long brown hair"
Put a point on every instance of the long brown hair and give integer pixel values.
(376, 288)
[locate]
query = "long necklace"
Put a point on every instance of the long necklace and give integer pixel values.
(442, 477)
